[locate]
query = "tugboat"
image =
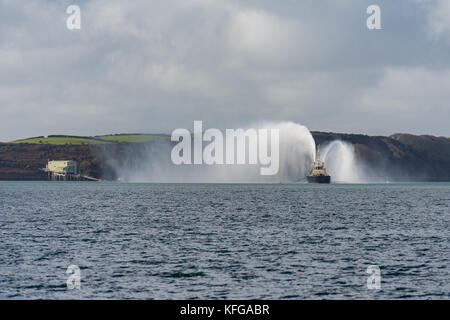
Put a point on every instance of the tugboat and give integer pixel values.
(318, 173)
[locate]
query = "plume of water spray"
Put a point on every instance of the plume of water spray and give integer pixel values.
(341, 163)
(153, 164)
(297, 149)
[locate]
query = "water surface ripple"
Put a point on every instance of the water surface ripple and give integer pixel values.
(224, 241)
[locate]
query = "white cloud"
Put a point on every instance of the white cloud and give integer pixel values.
(406, 90)
(175, 78)
(262, 36)
(153, 66)
(438, 17)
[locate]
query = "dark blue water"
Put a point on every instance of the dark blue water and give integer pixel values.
(198, 241)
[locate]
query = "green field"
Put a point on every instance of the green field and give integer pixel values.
(129, 138)
(133, 137)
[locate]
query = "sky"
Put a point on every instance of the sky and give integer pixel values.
(153, 66)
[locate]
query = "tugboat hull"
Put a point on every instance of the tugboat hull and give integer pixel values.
(318, 179)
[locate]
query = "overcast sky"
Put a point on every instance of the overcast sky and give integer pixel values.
(154, 66)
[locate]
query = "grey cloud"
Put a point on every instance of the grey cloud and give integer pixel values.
(152, 66)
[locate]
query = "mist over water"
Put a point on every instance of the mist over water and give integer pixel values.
(152, 162)
(341, 163)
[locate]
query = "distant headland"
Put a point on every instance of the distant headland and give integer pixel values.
(405, 157)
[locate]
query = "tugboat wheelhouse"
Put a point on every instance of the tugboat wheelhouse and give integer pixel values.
(318, 173)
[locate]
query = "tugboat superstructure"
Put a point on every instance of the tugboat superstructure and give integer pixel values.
(318, 173)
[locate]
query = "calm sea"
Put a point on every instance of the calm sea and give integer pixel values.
(234, 241)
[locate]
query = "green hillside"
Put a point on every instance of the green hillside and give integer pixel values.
(59, 140)
(105, 139)
(400, 157)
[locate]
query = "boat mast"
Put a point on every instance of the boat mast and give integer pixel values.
(318, 153)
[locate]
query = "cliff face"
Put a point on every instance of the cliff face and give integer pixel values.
(402, 157)
(23, 161)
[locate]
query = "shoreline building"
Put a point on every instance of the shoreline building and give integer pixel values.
(62, 170)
